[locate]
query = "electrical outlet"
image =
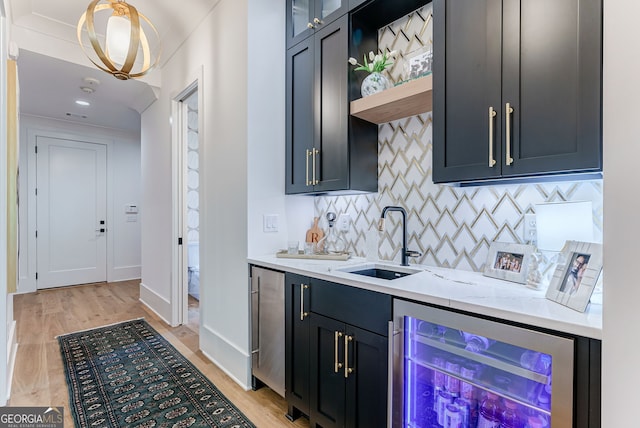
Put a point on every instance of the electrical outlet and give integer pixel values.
(343, 222)
(530, 231)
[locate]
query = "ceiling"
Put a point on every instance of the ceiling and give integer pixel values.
(52, 68)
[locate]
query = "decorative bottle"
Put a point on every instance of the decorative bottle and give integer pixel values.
(511, 417)
(490, 412)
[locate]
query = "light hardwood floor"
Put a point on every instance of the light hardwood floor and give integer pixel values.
(39, 378)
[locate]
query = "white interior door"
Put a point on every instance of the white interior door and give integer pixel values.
(71, 212)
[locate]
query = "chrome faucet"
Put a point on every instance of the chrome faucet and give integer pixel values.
(406, 253)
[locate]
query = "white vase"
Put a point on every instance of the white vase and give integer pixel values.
(374, 83)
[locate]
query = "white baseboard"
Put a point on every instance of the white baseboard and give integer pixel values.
(125, 273)
(156, 303)
(12, 350)
(235, 362)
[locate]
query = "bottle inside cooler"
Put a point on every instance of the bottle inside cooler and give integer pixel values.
(455, 378)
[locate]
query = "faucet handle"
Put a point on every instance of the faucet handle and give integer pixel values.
(412, 253)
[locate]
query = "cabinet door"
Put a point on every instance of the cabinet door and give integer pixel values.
(332, 107)
(297, 344)
(328, 10)
(551, 76)
(466, 83)
(327, 372)
(304, 17)
(299, 117)
(367, 384)
(299, 20)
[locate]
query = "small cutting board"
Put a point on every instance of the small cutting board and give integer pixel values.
(315, 234)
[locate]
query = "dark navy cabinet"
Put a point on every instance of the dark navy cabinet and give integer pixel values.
(305, 17)
(326, 149)
(336, 353)
(517, 88)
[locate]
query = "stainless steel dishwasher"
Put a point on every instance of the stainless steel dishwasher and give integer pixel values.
(267, 329)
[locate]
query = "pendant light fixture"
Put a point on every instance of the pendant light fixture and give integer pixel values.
(125, 38)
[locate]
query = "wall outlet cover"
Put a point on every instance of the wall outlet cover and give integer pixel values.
(344, 221)
(529, 231)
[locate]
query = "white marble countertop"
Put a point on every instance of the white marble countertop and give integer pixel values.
(468, 291)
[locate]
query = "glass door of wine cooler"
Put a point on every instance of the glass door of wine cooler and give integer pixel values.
(457, 371)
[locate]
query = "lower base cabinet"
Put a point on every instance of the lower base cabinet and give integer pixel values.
(349, 375)
(336, 353)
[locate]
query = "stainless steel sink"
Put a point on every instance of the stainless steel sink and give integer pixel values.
(381, 271)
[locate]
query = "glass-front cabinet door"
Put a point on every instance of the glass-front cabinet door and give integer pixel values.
(307, 16)
(326, 7)
(300, 15)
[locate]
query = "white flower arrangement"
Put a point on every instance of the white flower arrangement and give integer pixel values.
(376, 63)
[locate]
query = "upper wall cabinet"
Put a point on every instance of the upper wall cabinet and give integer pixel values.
(517, 88)
(307, 16)
(326, 150)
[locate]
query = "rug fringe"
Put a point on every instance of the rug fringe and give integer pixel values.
(100, 326)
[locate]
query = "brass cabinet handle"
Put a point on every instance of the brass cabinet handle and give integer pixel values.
(347, 370)
(492, 114)
(302, 312)
(315, 180)
(337, 364)
(508, 112)
(307, 164)
(310, 25)
(317, 21)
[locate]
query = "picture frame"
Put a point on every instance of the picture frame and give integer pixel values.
(508, 261)
(576, 276)
(418, 63)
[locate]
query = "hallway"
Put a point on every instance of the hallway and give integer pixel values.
(39, 379)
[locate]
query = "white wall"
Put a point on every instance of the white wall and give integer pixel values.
(266, 135)
(217, 52)
(621, 372)
(155, 135)
(6, 302)
(123, 187)
(238, 52)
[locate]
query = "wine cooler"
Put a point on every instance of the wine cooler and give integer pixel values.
(458, 371)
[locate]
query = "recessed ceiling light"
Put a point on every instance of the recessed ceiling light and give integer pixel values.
(77, 116)
(82, 103)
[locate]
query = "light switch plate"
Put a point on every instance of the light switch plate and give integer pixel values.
(269, 223)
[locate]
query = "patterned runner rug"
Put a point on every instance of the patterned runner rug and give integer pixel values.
(128, 375)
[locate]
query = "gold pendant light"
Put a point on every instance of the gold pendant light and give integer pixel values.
(124, 38)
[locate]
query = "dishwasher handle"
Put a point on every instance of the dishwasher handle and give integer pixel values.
(255, 317)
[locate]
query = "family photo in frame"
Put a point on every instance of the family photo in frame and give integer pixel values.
(508, 261)
(575, 278)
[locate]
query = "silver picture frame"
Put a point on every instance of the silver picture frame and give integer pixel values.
(576, 276)
(508, 261)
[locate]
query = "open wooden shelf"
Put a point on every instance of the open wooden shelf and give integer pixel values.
(407, 99)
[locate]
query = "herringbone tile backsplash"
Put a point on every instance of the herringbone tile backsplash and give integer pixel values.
(450, 226)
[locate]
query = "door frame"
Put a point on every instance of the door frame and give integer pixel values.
(179, 260)
(28, 284)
